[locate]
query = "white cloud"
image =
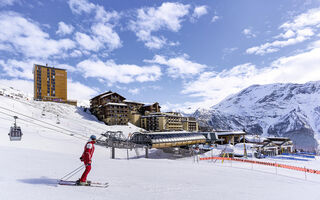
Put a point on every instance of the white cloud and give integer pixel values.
(199, 11)
(103, 16)
(102, 34)
(301, 35)
(299, 29)
(26, 37)
(310, 18)
(215, 18)
(7, 2)
(184, 108)
(248, 33)
(111, 72)
(168, 16)
(81, 6)
(287, 34)
(215, 86)
(134, 91)
(79, 91)
(106, 35)
(87, 42)
(179, 66)
(76, 53)
(18, 69)
(64, 29)
(69, 68)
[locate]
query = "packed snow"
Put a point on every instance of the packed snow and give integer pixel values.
(48, 151)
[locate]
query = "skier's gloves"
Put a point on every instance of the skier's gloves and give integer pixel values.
(81, 158)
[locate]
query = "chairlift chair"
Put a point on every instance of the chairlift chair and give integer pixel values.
(58, 121)
(43, 111)
(15, 133)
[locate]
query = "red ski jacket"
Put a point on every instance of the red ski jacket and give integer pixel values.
(88, 152)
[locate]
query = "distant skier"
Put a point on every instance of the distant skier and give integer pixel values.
(86, 158)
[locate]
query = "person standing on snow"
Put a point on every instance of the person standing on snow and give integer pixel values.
(86, 158)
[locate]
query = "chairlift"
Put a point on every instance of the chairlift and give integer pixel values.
(43, 112)
(15, 131)
(58, 121)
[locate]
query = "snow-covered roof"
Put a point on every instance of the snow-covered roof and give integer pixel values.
(130, 101)
(117, 104)
(167, 132)
(105, 95)
(231, 133)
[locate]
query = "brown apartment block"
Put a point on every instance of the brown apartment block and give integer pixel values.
(109, 108)
(114, 109)
(50, 84)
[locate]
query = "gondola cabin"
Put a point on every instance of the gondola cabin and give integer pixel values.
(15, 133)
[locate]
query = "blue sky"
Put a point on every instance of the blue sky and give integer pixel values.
(182, 54)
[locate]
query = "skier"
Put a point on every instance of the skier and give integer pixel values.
(86, 158)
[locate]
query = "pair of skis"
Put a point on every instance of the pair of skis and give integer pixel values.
(89, 184)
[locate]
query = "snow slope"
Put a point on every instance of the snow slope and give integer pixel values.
(30, 168)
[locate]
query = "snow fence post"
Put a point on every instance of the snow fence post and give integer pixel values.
(305, 173)
(147, 152)
(127, 154)
(113, 152)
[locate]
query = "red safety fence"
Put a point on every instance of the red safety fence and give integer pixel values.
(303, 169)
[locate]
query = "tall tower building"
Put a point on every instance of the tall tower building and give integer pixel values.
(50, 84)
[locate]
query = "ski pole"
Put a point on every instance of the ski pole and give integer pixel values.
(73, 172)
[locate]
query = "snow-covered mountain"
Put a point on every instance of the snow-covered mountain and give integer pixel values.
(289, 110)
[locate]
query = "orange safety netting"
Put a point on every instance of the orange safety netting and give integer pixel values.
(303, 169)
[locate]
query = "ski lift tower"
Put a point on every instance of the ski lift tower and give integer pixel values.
(15, 133)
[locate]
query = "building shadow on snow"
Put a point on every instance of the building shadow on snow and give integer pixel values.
(40, 181)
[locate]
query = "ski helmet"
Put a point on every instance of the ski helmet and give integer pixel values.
(93, 137)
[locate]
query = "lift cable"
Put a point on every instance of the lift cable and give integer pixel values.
(30, 104)
(48, 127)
(73, 132)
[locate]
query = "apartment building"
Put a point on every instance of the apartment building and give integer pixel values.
(151, 108)
(109, 108)
(50, 84)
(162, 122)
(134, 111)
(190, 124)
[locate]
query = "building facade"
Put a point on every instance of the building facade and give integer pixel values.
(110, 108)
(134, 112)
(170, 121)
(50, 83)
(190, 124)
